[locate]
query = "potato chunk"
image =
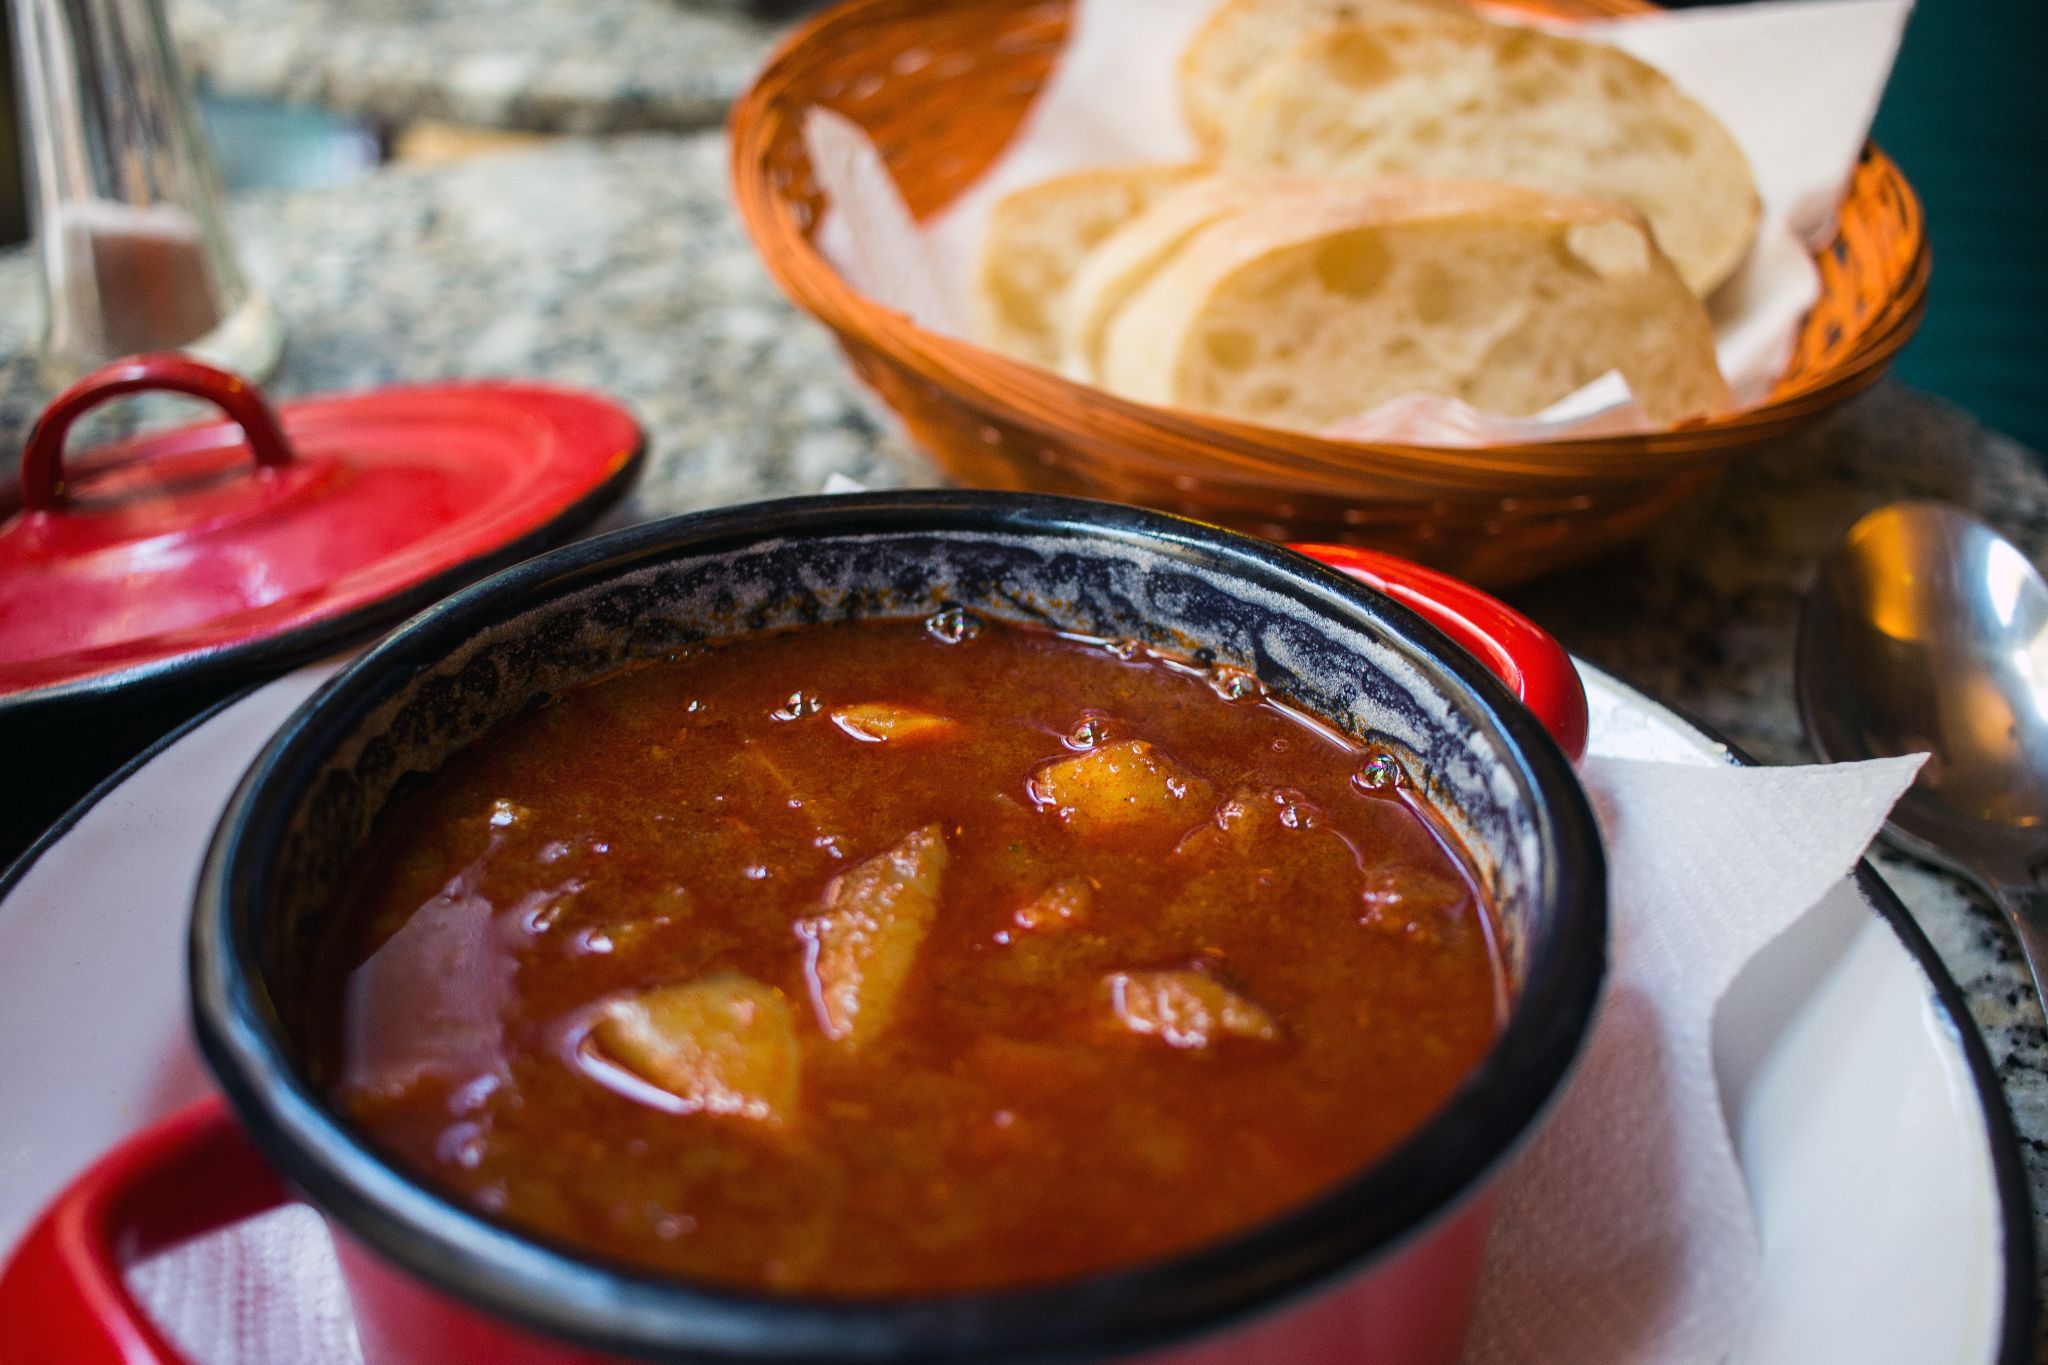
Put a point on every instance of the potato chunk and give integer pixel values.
(1118, 786)
(723, 1044)
(859, 949)
(1186, 1008)
(878, 722)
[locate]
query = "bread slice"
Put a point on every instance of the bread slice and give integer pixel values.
(1486, 101)
(1037, 237)
(1124, 260)
(1239, 37)
(1305, 314)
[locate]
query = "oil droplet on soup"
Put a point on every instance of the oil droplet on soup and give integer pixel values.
(853, 961)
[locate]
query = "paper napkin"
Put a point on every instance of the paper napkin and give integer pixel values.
(1624, 1234)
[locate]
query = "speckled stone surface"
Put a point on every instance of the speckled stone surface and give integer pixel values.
(620, 266)
(617, 266)
(543, 65)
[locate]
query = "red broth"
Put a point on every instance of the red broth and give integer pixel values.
(899, 958)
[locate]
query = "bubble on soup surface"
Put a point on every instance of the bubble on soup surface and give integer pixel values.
(1235, 684)
(1092, 731)
(953, 625)
(1380, 771)
(799, 705)
(1296, 810)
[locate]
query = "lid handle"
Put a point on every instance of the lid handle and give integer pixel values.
(42, 462)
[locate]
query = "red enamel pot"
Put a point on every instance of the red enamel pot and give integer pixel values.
(1382, 1268)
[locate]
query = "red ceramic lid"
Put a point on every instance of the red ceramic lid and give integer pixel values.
(305, 525)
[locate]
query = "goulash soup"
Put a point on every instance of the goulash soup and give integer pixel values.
(904, 957)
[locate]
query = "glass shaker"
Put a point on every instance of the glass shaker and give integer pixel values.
(124, 196)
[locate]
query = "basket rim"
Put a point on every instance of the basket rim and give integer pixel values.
(1021, 393)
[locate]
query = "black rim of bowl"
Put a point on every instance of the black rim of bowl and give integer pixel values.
(529, 1280)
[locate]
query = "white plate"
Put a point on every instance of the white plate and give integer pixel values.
(1869, 1121)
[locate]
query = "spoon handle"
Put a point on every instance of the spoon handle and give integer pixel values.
(2026, 909)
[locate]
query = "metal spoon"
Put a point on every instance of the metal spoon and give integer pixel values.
(1926, 632)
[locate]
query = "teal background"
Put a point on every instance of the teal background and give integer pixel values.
(1966, 118)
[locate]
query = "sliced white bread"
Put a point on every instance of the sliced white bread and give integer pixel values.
(1303, 314)
(1488, 101)
(1037, 237)
(1240, 35)
(1124, 260)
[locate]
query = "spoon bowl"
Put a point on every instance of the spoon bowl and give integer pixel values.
(1927, 632)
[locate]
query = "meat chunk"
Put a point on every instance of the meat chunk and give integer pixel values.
(1116, 787)
(1186, 1008)
(1062, 905)
(723, 1044)
(879, 722)
(858, 950)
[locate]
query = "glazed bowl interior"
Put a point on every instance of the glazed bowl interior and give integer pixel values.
(442, 682)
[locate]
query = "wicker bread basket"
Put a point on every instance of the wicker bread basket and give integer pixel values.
(941, 87)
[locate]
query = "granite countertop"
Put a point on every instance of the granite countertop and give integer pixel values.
(620, 265)
(539, 65)
(616, 265)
